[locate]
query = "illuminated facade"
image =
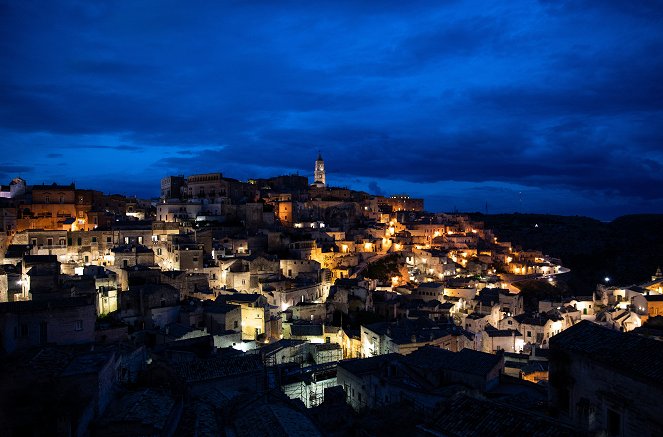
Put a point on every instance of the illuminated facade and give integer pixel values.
(319, 175)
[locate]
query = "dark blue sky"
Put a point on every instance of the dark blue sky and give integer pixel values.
(552, 107)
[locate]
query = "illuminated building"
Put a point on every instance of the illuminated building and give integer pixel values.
(319, 176)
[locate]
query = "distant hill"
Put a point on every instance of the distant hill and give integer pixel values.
(627, 250)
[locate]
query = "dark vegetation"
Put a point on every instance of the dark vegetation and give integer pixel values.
(355, 319)
(384, 269)
(535, 290)
(627, 250)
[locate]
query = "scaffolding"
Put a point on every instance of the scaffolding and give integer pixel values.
(299, 376)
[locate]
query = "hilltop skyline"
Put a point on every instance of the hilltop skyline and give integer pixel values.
(548, 107)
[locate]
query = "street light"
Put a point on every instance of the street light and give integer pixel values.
(606, 279)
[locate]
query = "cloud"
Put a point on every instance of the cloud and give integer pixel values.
(374, 188)
(9, 171)
(562, 97)
(9, 168)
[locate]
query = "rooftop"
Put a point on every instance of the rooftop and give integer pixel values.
(494, 332)
(147, 407)
(91, 362)
(464, 415)
(213, 368)
(465, 361)
(359, 366)
(28, 306)
(626, 352)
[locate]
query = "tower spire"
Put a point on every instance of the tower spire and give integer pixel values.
(319, 177)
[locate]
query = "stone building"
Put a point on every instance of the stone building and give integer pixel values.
(220, 317)
(172, 187)
(253, 310)
(7, 216)
(40, 277)
(606, 382)
(59, 321)
(150, 305)
(425, 376)
(131, 255)
(402, 202)
(406, 336)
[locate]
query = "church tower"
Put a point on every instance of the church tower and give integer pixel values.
(319, 173)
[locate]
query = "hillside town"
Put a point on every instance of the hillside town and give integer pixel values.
(283, 306)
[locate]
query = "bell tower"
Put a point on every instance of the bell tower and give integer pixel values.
(319, 173)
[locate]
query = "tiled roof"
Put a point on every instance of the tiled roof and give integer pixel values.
(281, 344)
(421, 329)
(537, 320)
(28, 306)
(177, 330)
(626, 352)
(91, 362)
(239, 297)
(502, 332)
(360, 366)
(274, 420)
(465, 416)
(219, 308)
(213, 368)
(147, 407)
(466, 361)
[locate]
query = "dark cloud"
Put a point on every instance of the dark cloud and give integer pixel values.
(8, 171)
(9, 168)
(559, 97)
(119, 147)
(374, 188)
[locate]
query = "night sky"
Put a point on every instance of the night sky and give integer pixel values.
(551, 107)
